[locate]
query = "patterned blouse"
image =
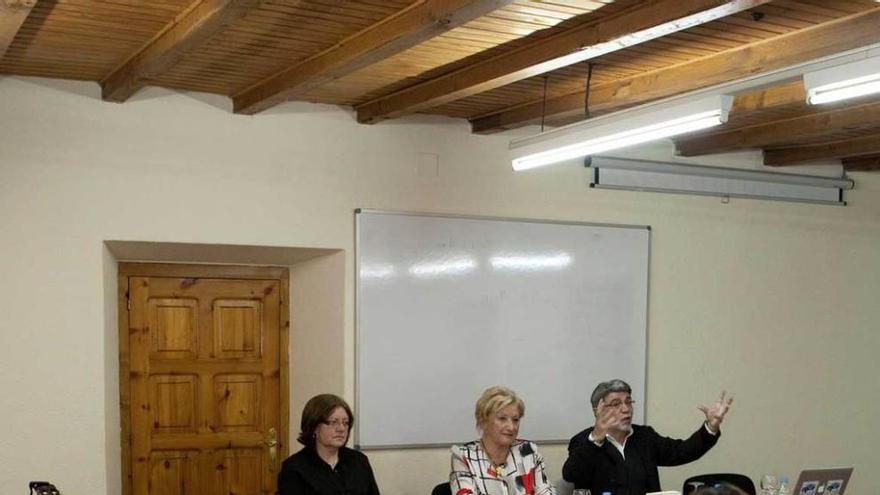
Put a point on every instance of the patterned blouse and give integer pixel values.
(473, 473)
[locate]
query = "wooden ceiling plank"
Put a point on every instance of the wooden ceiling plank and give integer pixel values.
(646, 21)
(829, 10)
(794, 17)
(871, 162)
(395, 34)
(12, 16)
(769, 25)
(180, 37)
(817, 122)
(849, 148)
(843, 34)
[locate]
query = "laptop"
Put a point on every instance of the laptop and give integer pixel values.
(822, 481)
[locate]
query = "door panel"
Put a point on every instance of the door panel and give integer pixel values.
(175, 327)
(173, 401)
(174, 472)
(204, 380)
(238, 470)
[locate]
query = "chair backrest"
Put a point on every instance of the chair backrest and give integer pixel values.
(563, 487)
(442, 489)
(740, 481)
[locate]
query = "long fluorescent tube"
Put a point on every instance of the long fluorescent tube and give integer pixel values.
(526, 263)
(618, 130)
(377, 270)
(651, 176)
(443, 267)
(843, 82)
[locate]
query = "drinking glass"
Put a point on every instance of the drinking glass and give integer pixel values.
(769, 484)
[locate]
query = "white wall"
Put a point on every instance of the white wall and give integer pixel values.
(775, 302)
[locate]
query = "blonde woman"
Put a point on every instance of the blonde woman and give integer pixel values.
(498, 463)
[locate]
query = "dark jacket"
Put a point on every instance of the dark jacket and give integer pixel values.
(602, 469)
(305, 473)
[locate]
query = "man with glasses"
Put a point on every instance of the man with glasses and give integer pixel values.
(619, 457)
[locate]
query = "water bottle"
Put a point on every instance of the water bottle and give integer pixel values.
(783, 485)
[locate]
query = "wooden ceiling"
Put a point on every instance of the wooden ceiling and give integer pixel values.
(501, 64)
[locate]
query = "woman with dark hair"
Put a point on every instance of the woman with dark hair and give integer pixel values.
(325, 466)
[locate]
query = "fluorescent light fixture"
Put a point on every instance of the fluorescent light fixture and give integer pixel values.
(843, 82)
(643, 175)
(637, 37)
(617, 130)
(452, 266)
(528, 263)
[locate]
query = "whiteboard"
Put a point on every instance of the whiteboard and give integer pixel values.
(448, 306)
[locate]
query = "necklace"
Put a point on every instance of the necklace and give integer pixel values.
(497, 467)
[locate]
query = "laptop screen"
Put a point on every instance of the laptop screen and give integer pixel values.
(822, 481)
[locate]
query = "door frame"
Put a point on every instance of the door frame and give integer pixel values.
(131, 269)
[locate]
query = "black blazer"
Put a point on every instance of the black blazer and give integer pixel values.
(602, 469)
(305, 473)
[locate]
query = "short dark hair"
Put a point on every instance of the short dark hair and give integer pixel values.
(317, 410)
(605, 388)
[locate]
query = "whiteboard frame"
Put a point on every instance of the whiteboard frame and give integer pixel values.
(357, 299)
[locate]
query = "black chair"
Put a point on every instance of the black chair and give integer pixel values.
(442, 489)
(740, 481)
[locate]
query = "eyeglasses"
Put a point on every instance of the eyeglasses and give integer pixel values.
(335, 423)
(616, 403)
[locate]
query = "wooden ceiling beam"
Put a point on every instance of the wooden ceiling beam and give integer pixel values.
(185, 34)
(846, 33)
(817, 122)
(12, 16)
(772, 98)
(871, 162)
(646, 21)
(423, 20)
(849, 148)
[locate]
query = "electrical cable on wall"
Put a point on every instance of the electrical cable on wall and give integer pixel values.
(544, 103)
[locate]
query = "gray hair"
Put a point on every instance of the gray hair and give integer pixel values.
(605, 388)
(720, 489)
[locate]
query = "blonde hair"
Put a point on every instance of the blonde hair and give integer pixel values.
(495, 399)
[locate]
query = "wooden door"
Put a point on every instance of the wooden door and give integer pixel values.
(205, 357)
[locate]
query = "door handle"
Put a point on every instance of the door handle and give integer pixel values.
(272, 443)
